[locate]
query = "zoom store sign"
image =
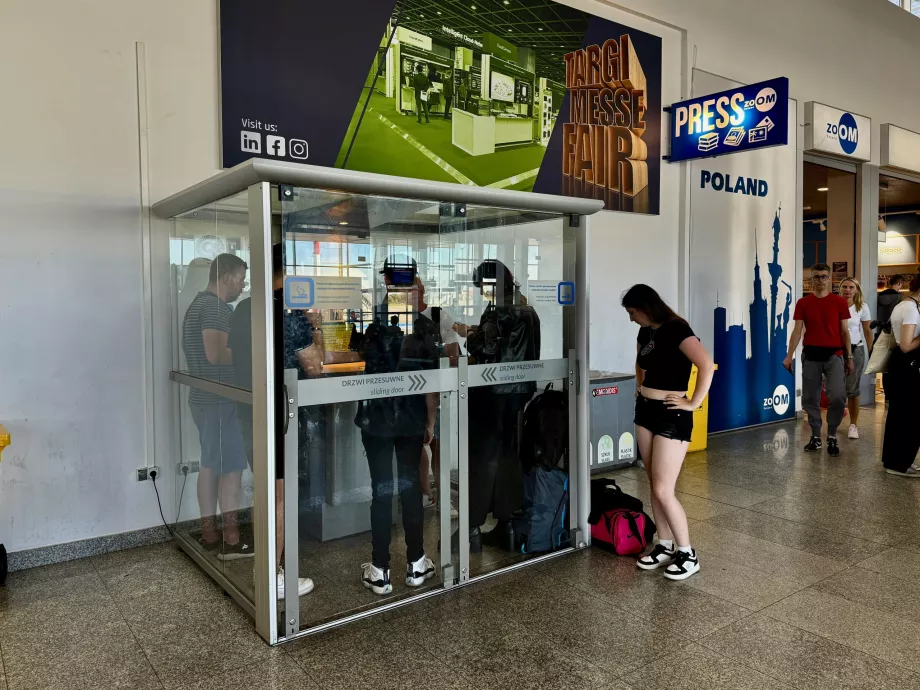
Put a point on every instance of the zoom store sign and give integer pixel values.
(837, 132)
(740, 119)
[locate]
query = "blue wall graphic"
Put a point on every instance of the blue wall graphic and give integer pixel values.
(744, 389)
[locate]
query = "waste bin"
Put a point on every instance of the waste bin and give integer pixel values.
(612, 406)
(700, 417)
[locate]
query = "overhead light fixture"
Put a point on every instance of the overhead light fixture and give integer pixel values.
(439, 11)
(507, 2)
(822, 189)
(806, 208)
(509, 31)
(882, 225)
(539, 28)
(473, 7)
(343, 222)
(822, 227)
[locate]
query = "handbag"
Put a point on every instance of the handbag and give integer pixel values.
(881, 354)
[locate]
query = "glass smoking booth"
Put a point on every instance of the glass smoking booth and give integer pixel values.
(353, 358)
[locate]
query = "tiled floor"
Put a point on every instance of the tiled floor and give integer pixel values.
(809, 581)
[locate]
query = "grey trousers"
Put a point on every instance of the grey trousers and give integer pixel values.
(835, 387)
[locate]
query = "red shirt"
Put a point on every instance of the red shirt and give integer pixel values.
(822, 317)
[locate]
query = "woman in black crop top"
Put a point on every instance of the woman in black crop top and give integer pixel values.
(666, 351)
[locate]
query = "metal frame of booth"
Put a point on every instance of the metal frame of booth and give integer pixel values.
(257, 177)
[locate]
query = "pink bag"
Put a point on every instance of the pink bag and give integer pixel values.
(623, 531)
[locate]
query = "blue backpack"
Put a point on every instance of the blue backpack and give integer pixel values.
(546, 498)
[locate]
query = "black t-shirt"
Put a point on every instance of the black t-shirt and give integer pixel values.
(666, 367)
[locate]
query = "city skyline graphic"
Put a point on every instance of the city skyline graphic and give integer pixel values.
(743, 387)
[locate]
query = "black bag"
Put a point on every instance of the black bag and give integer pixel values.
(816, 353)
(546, 498)
(606, 496)
(545, 431)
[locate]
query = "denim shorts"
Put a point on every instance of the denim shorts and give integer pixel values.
(222, 448)
(662, 421)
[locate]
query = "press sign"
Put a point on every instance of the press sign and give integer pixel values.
(741, 119)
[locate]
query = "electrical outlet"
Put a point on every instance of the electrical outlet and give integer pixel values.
(187, 468)
(143, 473)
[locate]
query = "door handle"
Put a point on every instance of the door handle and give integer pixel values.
(287, 410)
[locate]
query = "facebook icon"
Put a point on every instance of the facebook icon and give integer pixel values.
(274, 146)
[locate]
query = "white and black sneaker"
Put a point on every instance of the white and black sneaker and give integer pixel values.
(814, 445)
(418, 572)
(376, 579)
(658, 557)
(235, 552)
(912, 472)
(686, 563)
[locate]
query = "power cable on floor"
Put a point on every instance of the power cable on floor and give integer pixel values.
(153, 478)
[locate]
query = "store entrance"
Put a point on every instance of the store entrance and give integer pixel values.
(829, 213)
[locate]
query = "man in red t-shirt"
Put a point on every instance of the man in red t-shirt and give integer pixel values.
(825, 317)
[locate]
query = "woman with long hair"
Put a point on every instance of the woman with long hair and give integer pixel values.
(666, 350)
(902, 433)
(860, 339)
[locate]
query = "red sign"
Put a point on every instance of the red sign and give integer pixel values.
(613, 390)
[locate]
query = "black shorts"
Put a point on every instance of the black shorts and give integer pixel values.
(662, 421)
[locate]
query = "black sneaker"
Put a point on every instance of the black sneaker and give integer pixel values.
(814, 445)
(832, 448)
(685, 564)
(234, 552)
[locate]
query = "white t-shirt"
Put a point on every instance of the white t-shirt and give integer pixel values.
(855, 323)
(446, 326)
(906, 313)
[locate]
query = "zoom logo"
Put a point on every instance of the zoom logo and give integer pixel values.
(846, 131)
(298, 148)
(779, 402)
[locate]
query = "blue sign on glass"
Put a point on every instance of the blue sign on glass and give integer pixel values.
(299, 292)
(565, 293)
(741, 119)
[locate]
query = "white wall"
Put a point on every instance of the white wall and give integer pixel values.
(71, 338)
(71, 329)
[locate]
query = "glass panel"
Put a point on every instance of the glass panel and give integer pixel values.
(915, 7)
(507, 269)
(209, 254)
(367, 272)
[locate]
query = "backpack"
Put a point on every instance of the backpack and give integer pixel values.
(542, 525)
(625, 532)
(545, 431)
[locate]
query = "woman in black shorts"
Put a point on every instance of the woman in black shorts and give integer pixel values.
(667, 348)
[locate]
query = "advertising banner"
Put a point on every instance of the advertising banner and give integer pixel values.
(837, 132)
(730, 121)
(531, 95)
(742, 273)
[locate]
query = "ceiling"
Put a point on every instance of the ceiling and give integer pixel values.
(551, 30)
(894, 193)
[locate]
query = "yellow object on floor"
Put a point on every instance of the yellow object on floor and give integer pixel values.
(4, 439)
(700, 417)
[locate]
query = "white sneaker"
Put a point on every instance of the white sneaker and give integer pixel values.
(913, 472)
(304, 585)
(658, 557)
(854, 432)
(376, 579)
(418, 572)
(685, 564)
